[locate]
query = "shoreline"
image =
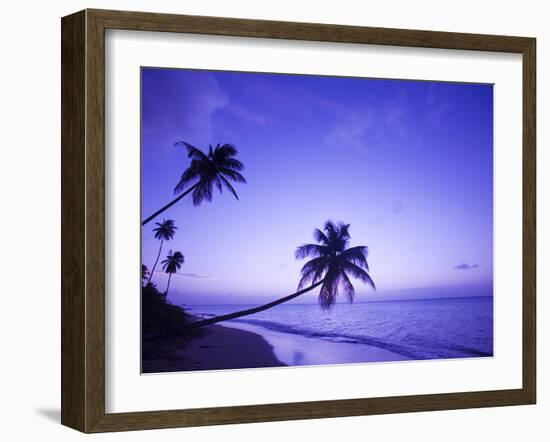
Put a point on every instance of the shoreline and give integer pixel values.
(215, 347)
(236, 345)
(299, 350)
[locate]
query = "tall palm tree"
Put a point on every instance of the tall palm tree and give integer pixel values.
(172, 264)
(330, 268)
(216, 168)
(164, 231)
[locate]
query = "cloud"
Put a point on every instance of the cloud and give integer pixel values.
(465, 266)
(360, 129)
(350, 130)
(179, 105)
(199, 276)
(246, 115)
(191, 275)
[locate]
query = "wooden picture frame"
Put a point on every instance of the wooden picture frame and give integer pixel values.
(83, 220)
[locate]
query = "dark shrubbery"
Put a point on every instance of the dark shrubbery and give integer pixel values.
(158, 316)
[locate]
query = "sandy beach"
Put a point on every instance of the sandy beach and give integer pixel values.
(297, 350)
(237, 345)
(213, 348)
(304, 335)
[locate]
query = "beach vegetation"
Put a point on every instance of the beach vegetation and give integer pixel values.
(216, 169)
(164, 231)
(160, 317)
(171, 265)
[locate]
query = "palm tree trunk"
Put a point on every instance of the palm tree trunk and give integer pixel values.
(168, 285)
(251, 311)
(170, 204)
(156, 261)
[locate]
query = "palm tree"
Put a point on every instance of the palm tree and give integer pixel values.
(330, 268)
(164, 231)
(144, 273)
(171, 265)
(217, 168)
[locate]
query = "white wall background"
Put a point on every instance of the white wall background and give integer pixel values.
(30, 230)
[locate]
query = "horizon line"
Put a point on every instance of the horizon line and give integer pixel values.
(439, 298)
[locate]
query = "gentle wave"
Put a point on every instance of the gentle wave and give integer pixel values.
(418, 329)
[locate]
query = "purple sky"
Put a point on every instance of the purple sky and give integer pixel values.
(408, 164)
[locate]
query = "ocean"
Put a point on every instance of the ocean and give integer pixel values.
(407, 329)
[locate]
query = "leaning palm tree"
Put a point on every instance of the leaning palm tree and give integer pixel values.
(171, 265)
(216, 168)
(331, 266)
(164, 231)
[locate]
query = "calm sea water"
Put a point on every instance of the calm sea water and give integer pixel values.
(417, 329)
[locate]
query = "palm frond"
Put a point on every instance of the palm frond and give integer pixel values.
(343, 230)
(218, 183)
(357, 272)
(320, 237)
(313, 271)
(167, 260)
(194, 171)
(313, 250)
(347, 286)
(331, 229)
(329, 290)
(203, 192)
(357, 255)
(233, 164)
(215, 168)
(178, 258)
(331, 263)
(225, 151)
(173, 262)
(165, 230)
(235, 176)
(229, 186)
(192, 151)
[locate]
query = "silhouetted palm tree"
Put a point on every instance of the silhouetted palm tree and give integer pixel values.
(217, 168)
(164, 231)
(332, 262)
(144, 273)
(172, 264)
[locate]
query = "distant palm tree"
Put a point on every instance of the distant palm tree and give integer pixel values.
(144, 273)
(332, 262)
(164, 231)
(172, 264)
(217, 168)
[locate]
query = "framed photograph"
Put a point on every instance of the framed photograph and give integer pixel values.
(268, 220)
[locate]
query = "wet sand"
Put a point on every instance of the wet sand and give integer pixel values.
(297, 350)
(214, 348)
